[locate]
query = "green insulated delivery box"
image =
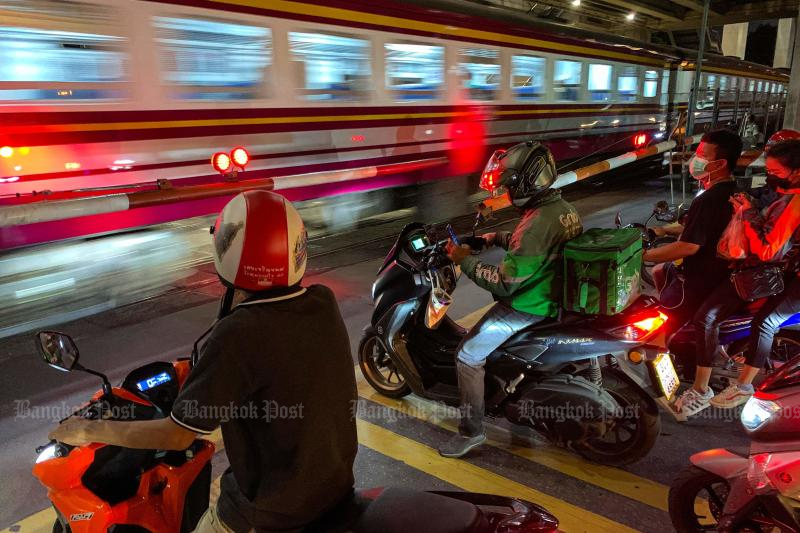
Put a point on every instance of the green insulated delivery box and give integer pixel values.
(602, 271)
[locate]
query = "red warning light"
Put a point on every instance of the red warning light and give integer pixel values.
(639, 140)
(240, 157)
(221, 162)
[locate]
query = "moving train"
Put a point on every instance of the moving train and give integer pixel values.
(100, 96)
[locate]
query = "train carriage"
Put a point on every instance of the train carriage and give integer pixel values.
(108, 95)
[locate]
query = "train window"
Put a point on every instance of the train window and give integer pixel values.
(414, 72)
(527, 77)
(723, 83)
(203, 59)
(733, 83)
(628, 83)
(567, 80)
(480, 71)
(711, 81)
(650, 84)
(330, 67)
(759, 86)
(56, 64)
(751, 85)
(665, 87)
(599, 83)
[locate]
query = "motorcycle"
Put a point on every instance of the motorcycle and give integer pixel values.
(589, 383)
(734, 332)
(728, 492)
(98, 488)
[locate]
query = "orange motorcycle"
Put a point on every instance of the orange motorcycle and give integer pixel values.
(99, 488)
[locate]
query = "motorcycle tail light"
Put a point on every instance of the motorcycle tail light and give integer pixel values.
(642, 328)
(757, 473)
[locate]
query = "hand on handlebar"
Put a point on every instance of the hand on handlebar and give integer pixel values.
(457, 253)
(72, 431)
(476, 244)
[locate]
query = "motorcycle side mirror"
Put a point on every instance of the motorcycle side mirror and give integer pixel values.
(57, 350)
(60, 351)
(618, 220)
(483, 213)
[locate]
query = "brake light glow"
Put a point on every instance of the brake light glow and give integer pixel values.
(643, 328)
(6, 151)
(221, 162)
(639, 140)
(240, 157)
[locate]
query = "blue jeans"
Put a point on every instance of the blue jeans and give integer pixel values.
(498, 325)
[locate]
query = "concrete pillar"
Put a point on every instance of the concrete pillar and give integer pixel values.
(791, 118)
(734, 39)
(784, 44)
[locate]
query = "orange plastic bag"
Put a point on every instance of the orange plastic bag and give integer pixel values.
(733, 244)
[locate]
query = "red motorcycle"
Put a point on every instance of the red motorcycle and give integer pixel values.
(98, 488)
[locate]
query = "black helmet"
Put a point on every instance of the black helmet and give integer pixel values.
(527, 170)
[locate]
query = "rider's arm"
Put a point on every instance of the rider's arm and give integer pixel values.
(504, 279)
(502, 239)
(161, 434)
(670, 252)
(673, 230)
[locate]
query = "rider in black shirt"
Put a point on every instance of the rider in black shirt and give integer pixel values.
(702, 271)
(276, 373)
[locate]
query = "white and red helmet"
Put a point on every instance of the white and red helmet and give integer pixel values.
(260, 242)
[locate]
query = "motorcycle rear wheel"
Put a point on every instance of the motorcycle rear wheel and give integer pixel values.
(378, 369)
(634, 435)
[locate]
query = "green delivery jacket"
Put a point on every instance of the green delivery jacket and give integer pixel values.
(529, 278)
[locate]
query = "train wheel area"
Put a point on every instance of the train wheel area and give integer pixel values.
(397, 437)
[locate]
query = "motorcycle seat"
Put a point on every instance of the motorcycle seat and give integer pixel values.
(401, 510)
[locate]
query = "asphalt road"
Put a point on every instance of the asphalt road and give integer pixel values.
(397, 439)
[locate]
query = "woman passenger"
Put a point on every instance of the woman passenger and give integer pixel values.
(771, 237)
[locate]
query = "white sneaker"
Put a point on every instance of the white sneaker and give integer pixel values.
(692, 402)
(734, 395)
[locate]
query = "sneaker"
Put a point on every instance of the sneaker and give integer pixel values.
(459, 446)
(692, 402)
(734, 395)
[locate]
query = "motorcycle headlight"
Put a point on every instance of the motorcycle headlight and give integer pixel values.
(48, 453)
(757, 412)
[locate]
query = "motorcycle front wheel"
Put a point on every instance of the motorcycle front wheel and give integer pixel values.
(696, 500)
(632, 435)
(379, 369)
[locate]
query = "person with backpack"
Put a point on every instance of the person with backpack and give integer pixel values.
(525, 285)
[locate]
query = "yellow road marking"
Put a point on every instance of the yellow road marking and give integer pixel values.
(609, 478)
(469, 477)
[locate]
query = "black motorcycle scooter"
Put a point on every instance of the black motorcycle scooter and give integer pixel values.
(589, 383)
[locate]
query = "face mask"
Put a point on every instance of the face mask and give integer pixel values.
(697, 167)
(776, 182)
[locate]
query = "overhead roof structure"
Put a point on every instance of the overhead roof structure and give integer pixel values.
(653, 15)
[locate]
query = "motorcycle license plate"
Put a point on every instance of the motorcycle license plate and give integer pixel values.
(666, 375)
